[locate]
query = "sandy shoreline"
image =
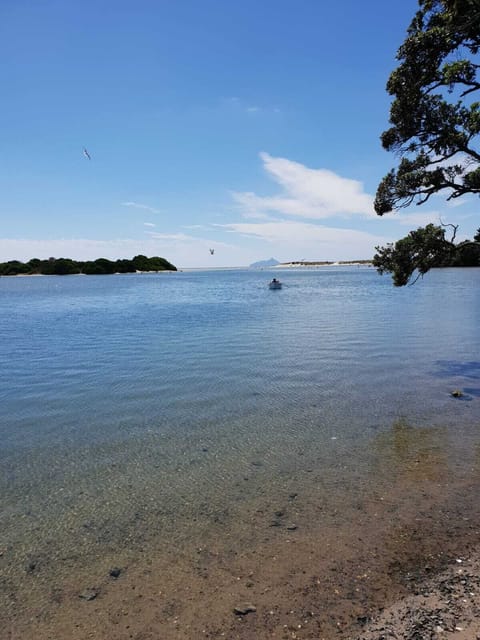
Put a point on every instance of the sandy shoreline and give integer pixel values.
(318, 265)
(447, 605)
(311, 553)
(138, 605)
(302, 573)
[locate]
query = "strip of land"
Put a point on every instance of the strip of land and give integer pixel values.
(325, 263)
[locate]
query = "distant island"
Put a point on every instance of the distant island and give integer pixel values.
(66, 266)
(271, 262)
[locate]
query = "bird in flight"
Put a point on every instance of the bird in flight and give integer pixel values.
(212, 251)
(86, 154)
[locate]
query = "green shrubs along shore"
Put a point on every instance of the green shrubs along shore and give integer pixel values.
(66, 266)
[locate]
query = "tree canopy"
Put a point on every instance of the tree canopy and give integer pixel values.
(435, 131)
(101, 266)
(425, 248)
(434, 116)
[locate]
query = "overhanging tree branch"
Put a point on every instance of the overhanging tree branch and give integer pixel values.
(439, 58)
(412, 257)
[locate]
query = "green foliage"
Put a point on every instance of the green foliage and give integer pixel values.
(434, 120)
(62, 267)
(413, 256)
(467, 254)
(140, 262)
(98, 267)
(13, 268)
(123, 266)
(66, 266)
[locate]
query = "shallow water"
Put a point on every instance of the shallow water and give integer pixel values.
(159, 412)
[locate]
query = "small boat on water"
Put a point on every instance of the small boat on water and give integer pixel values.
(275, 284)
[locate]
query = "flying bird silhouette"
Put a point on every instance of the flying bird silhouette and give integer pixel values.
(212, 251)
(86, 154)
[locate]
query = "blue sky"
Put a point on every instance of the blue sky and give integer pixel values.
(249, 127)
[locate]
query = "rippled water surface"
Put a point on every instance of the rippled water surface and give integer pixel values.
(82, 356)
(140, 407)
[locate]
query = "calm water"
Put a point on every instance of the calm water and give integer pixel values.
(84, 357)
(129, 402)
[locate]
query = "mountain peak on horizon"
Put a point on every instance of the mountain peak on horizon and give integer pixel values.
(271, 262)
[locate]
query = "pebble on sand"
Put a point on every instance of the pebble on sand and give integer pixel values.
(88, 594)
(244, 608)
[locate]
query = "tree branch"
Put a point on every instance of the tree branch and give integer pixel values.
(454, 227)
(471, 90)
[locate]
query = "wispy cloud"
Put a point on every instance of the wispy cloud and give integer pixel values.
(458, 202)
(169, 236)
(138, 205)
(149, 224)
(242, 105)
(417, 219)
(422, 218)
(180, 249)
(194, 251)
(76, 248)
(306, 192)
(290, 238)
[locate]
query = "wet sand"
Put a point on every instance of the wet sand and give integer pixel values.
(300, 588)
(307, 560)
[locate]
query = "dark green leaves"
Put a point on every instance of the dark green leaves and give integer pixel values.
(101, 266)
(421, 250)
(435, 123)
(417, 253)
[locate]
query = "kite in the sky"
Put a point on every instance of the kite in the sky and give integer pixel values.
(212, 251)
(86, 154)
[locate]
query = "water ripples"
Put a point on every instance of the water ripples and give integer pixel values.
(135, 405)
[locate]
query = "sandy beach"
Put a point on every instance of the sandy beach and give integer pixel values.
(405, 567)
(141, 605)
(447, 605)
(303, 264)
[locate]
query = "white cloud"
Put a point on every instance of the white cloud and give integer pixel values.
(290, 238)
(180, 249)
(138, 205)
(169, 236)
(76, 248)
(244, 107)
(149, 224)
(421, 219)
(307, 193)
(192, 251)
(453, 204)
(417, 219)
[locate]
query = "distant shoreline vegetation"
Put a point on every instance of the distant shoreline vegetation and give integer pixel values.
(66, 266)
